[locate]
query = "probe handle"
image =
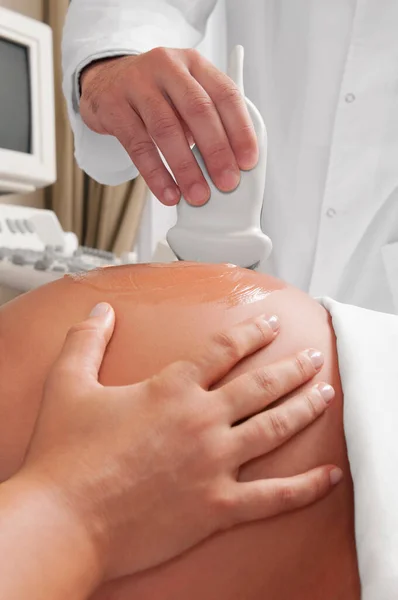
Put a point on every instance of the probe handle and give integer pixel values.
(227, 229)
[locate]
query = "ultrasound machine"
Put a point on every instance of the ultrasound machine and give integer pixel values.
(34, 249)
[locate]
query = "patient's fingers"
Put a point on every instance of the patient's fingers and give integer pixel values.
(255, 390)
(268, 430)
(229, 347)
(266, 498)
(85, 344)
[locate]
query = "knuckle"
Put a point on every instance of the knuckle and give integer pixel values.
(217, 153)
(302, 367)
(312, 406)
(263, 331)
(181, 372)
(185, 167)
(279, 424)
(224, 505)
(169, 60)
(163, 126)
(318, 486)
(255, 431)
(229, 345)
(152, 104)
(267, 382)
(286, 495)
(83, 328)
(89, 105)
(227, 93)
(160, 53)
(322, 483)
(247, 136)
(193, 54)
(150, 167)
(139, 148)
(198, 105)
(153, 175)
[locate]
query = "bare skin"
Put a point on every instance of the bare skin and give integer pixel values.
(103, 497)
(163, 314)
(171, 98)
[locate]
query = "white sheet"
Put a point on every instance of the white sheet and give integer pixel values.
(367, 344)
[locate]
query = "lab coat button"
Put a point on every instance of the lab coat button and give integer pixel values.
(330, 212)
(350, 98)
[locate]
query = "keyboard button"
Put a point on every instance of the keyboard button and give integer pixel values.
(11, 226)
(43, 264)
(29, 225)
(18, 259)
(20, 226)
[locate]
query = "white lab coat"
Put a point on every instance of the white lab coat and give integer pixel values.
(325, 77)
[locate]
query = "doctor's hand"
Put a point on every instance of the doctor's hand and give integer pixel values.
(171, 98)
(120, 479)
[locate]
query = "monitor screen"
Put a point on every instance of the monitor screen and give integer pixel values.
(15, 98)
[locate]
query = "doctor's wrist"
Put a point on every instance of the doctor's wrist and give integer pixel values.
(91, 70)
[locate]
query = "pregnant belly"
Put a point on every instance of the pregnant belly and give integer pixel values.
(306, 555)
(165, 315)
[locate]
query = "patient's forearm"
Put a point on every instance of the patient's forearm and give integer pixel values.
(44, 554)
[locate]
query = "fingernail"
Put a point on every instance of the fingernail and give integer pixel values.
(198, 194)
(171, 195)
(100, 310)
(326, 391)
(273, 322)
(229, 180)
(316, 358)
(335, 475)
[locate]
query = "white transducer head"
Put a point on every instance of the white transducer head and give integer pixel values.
(228, 228)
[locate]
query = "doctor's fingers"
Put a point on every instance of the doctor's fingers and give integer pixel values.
(266, 498)
(124, 123)
(254, 391)
(163, 121)
(203, 116)
(231, 106)
(270, 429)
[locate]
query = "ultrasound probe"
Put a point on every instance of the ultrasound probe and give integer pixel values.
(227, 229)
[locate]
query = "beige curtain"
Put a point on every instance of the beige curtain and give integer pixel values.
(102, 216)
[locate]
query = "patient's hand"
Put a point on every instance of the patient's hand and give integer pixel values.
(132, 462)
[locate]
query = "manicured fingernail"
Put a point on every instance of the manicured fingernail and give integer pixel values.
(273, 322)
(198, 194)
(326, 391)
(229, 180)
(335, 475)
(316, 358)
(171, 195)
(100, 310)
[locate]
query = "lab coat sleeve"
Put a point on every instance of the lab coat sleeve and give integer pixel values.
(97, 29)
